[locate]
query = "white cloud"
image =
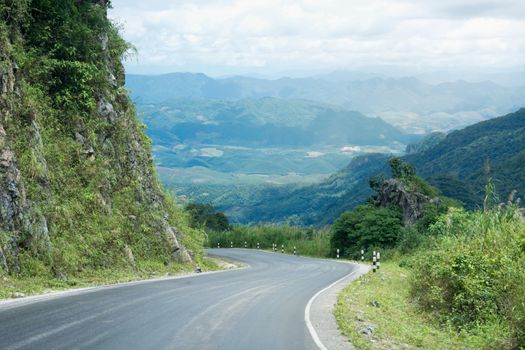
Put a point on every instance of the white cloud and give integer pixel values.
(323, 34)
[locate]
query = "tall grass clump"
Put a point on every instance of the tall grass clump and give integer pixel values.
(473, 276)
(307, 241)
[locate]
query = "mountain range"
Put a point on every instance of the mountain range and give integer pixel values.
(263, 122)
(455, 165)
(407, 103)
(253, 147)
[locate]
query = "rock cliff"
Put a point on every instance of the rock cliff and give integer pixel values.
(78, 189)
(393, 192)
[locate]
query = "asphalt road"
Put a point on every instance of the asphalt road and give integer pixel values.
(257, 308)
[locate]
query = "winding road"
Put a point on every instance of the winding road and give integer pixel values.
(261, 307)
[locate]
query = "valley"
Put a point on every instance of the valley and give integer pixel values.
(241, 143)
(206, 148)
(344, 175)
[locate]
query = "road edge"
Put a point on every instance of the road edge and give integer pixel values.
(323, 329)
(12, 303)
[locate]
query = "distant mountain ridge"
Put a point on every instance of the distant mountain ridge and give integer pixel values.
(264, 122)
(406, 102)
(454, 165)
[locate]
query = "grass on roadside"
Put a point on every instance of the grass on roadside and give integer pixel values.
(308, 242)
(381, 303)
(45, 284)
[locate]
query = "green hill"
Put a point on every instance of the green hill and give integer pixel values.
(264, 122)
(455, 165)
(79, 195)
(317, 204)
(425, 143)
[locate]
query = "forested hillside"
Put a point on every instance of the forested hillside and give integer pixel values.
(264, 122)
(404, 102)
(78, 189)
(316, 204)
(458, 164)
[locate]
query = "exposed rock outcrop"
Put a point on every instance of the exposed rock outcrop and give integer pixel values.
(70, 170)
(394, 192)
(178, 251)
(20, 222)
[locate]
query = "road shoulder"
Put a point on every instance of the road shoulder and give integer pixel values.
(320, 313)
(225, 265)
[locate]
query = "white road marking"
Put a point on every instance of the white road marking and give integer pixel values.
(309, 324)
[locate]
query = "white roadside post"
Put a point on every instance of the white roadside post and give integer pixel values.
(257, 245)
(282, 248)
(294, 251)
(362, 255)
(374, 261)
(337, 253)
(245, 244)
(231, 244)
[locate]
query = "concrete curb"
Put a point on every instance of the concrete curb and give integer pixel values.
(319, 313)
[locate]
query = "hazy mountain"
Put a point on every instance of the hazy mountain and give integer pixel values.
(265, 122)
(406, 102)
(454, 165)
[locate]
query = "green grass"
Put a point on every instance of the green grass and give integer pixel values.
(309, 242)
(144, 270)
(397, 322)
(92, 207)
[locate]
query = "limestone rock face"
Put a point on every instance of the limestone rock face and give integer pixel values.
(178, 252)
(394, 192)
(20, 222)
(97, 157)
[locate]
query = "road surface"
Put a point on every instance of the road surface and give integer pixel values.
(261, 307)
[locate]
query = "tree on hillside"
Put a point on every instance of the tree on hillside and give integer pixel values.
(206, 215)
(401, 169)
(366, 227)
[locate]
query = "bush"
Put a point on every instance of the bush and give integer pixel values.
(410, 239)
(205, 215)
(473, 275)
(307, 241)
(365, 227)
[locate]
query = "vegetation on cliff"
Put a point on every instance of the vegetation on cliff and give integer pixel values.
(456, 164)
(78, 189)
(458, 271)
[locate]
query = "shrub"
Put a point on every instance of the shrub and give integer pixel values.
(307, 241)
(364, 227)
(473, 274)
(205, 215)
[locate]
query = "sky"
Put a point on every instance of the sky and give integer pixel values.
(307, 37)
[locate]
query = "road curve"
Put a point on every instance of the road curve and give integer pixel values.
(257, 308)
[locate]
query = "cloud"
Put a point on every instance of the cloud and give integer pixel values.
(329, 34)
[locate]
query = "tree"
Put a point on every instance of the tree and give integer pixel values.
(364, 227)
(375, 182)
(401, 169)
(206, 215)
